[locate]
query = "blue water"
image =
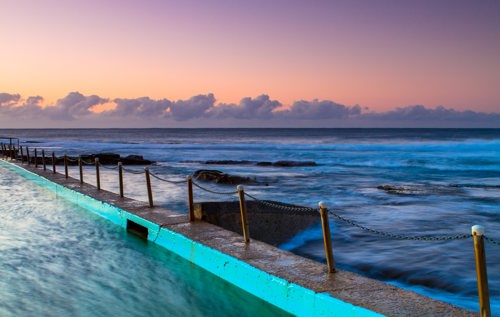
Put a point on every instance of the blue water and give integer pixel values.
(449, 181)
(58, 259)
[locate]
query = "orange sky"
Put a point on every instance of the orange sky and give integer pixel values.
(379, 54)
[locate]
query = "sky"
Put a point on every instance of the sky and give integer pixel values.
(259, 63)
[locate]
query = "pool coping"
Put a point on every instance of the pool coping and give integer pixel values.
(295, 284)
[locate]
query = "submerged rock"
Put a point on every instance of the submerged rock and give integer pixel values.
(113, 159)
(294, 163)
(221, 178)
(135, 160)
(227, 162)
(288, 163)
(401, 190)
(262, 163)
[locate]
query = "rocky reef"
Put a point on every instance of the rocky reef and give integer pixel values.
(221, 177)
(262, 163)
(104, 159)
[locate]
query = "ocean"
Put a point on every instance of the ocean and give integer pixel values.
(430, 182)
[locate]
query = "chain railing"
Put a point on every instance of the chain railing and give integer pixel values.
(292, 209)
(108, 167)
(72, 159)
(490, 240)
(87, 162)
(213, 191)
(166, 180)
(400, 236)
(132, 171)
(289, 209)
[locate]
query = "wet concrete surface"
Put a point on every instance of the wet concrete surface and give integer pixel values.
(350, 287)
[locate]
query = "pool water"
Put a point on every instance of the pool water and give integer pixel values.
(58, 259)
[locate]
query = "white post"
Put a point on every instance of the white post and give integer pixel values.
(482, 278)
(327, 239)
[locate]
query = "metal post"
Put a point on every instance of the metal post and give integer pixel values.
(120, 177)
(22, 154)
(243, 211)
(43, 160)
(10, 151)
(28, 155)
(36, 158)
(148, 184)
(190, 198)
(66, 166)
(97, 176)
(80, 167)
(327, 239)
(53, 162)
(482, 278)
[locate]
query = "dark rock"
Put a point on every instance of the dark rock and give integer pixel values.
(400, 190)
(108, 158)
(294, 163)
(227, 162)
(135, 160)
(220, 177)
(89, 159)
(265, 163)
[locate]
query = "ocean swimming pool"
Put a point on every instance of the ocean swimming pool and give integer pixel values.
(453, 172)
(58, 259)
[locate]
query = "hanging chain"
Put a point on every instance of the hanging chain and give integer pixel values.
(282, 206)
(166, 180)
(132, 171)
(213, 191)
(107, 167)
(401, 236)
(490, 240)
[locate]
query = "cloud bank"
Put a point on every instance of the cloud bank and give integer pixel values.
(78, 111)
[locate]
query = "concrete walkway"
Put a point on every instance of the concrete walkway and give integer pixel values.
(360, 291)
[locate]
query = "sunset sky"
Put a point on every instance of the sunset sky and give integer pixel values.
(244, 60)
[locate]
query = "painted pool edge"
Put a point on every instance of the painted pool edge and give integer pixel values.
(290, 297)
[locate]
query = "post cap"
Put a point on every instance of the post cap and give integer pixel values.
(119, 163)
(239, 187)
(477, 230)
(322, 204)
(96, 159)
(146, 168)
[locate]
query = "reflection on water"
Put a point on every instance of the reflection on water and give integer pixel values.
(61, 260)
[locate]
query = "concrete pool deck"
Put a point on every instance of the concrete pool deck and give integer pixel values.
(295, 284)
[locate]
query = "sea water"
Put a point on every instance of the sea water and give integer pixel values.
(58, 259)
(441, 181)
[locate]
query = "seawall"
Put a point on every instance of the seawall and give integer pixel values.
(295, 284)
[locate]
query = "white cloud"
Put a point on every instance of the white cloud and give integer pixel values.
(195, 107)
(140, 107)
(316, 109)
(202, 110)
(9, 99)
(257, 108)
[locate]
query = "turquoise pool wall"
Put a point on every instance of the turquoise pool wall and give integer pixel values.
(290, 297)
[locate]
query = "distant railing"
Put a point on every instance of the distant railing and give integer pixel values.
(10, 152)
